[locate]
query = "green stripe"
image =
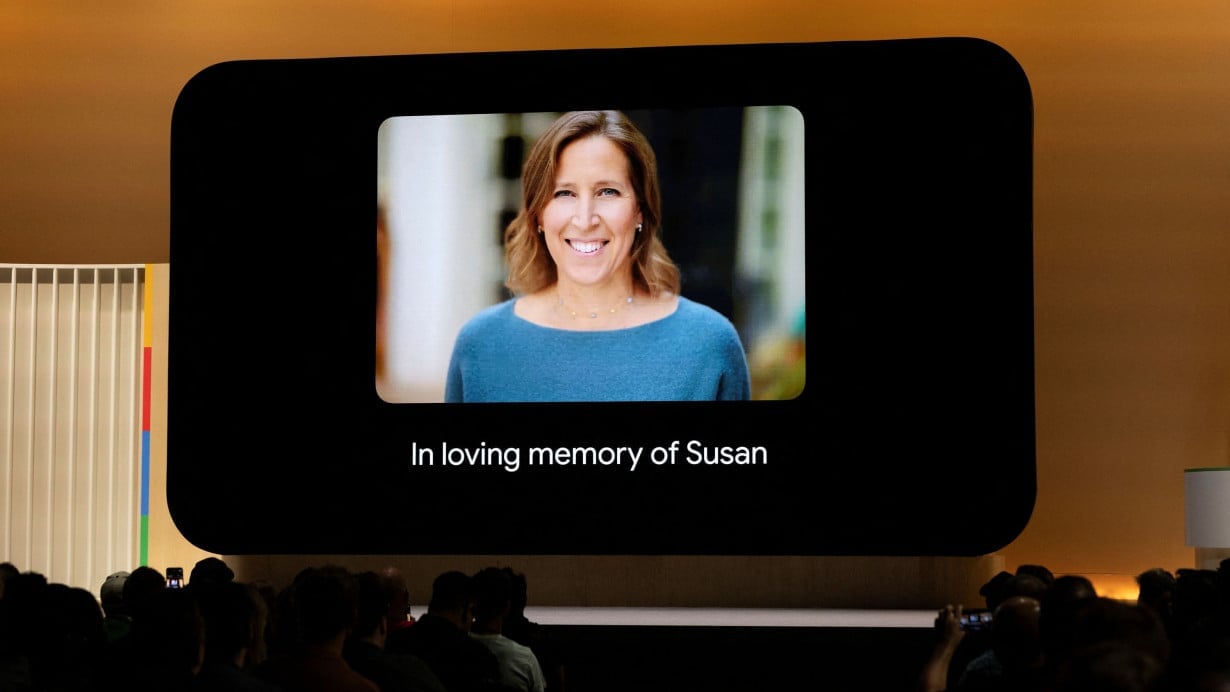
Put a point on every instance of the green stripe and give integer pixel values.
(144, 557)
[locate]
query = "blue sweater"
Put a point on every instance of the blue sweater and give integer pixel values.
(693, 354)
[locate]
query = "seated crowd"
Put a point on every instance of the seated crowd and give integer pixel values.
(331, 629)
(1052, 633)
(338, 630)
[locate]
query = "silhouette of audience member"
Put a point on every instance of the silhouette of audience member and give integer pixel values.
(1014, 659)
(522, 630)
(73, 640)
(264, 597)
(935, 672)
(51, 635)
(165, 647)
(321, 608)
(1195, 607)
(1113, 645)
(365, 649)
(115, 613)
(1156, 590)
(7, 569)
(1043, 573)
(519, 667)
(1221, 576)
(441, 637)
(1025, 584)
(993, 591)
(1034, 633)
(210, 570)
(141, 591)
(21, 615)
(232, 626)
(1061, 603)
(1201, 665)
(398, 590)
(1003, 587)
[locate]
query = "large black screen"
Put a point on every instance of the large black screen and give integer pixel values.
(861, 212)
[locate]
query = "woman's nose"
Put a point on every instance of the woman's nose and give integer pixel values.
(587, 213)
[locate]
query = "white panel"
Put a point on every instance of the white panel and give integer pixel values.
(70, 418)
(1206, 495)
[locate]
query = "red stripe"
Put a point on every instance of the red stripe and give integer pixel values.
(145, 388)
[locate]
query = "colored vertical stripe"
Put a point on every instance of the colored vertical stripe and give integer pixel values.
(146, 365)
(143, 558)
(144, 473)
(146, 386)
(143, 546)
(148, 322)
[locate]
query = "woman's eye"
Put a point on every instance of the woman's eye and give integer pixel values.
(608, 192)
(562, 193)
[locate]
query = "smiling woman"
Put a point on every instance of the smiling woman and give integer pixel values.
(597, 313)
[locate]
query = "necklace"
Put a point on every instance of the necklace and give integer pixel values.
(559, 303)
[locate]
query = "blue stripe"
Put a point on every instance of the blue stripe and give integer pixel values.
(145, 473)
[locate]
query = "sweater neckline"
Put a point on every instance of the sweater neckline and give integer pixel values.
(512, 308)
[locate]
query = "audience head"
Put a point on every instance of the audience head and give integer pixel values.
(993, 590)
(493, 596)
(79, 608)
(1195, 603)
(168, 635)
(141, 589)
(229, 612)
(326, 604)
(210, 570)
(23, 615)
(1156, 589)
(264, 598)
(61, 633)
(111, 594)
(1025, 584)
(76, 618)
(1113, 645)
(1201, 665)
(1068, 591)
(372, 606)
(393, 581)
(452, 597)
(1015, 635)
(1041, 572)
(7, 569)
(1060, 605)
(519, 593)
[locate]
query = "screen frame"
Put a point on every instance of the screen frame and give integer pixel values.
(919, 408)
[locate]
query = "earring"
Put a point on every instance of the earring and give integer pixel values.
(638, 228)
(540, 229)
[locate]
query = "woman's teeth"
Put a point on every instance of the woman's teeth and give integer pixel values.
(586, 247)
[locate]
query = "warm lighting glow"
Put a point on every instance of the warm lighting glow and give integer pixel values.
(1121, 587)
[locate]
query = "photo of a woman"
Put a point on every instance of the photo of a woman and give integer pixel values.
(590, 256)
(596, 312)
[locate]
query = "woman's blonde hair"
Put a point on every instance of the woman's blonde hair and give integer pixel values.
(530, 267)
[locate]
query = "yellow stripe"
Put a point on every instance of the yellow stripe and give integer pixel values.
(148, 334)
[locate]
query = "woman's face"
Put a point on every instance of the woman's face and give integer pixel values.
(591, 218)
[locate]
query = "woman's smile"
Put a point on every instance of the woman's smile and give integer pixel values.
(587, 248)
